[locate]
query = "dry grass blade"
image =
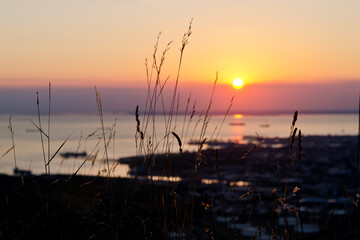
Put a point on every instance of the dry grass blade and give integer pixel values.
(202, 143)
(57, 151)
(244, 195)
(12, 140)
(260, 141)
(82, 164)
(7, 152)
(330, 215)
(179, 141)
(38, 128)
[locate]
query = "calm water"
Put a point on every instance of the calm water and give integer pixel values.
(85, 134)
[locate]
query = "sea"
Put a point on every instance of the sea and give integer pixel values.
(20, 139)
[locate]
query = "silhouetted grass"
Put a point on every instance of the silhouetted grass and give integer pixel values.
(143, 207)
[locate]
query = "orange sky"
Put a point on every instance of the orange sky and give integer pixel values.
(104, 43)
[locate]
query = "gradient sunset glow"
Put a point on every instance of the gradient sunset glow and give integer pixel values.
(88, 43)
(105, 42)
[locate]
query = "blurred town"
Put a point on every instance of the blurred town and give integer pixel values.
(267, 186)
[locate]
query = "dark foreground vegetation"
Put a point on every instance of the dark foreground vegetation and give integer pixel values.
(258, 190)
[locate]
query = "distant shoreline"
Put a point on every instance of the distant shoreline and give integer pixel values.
(248, 113)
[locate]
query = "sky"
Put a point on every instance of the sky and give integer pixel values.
(279, 48)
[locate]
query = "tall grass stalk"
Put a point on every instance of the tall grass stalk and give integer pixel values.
(185, 42)
(49, 121)
(101, 116)
(12, 141)
(41, 132)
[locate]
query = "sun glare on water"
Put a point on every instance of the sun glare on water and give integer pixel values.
(238, 83)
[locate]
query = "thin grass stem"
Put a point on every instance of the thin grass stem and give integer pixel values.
(41, 132)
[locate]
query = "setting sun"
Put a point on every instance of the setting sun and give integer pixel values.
(238, 83)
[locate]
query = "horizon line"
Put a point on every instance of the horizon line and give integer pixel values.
(256, 113)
